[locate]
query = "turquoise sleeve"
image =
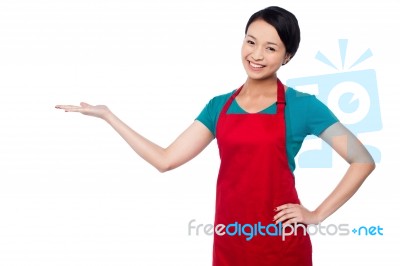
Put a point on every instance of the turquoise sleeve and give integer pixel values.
(319, 117)
(205, 117)
(209, 115)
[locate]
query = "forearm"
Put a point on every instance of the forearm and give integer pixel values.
(348, 186)
(361, 164)
(188, 144)
(149, 151)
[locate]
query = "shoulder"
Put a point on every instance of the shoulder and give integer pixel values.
(209, 115)
(215, 105)
(295, 95)
(315, 115)
(305, 101)
(220, 99)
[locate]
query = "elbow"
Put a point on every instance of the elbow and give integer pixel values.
(372, 166)
(366, 161)
(167, 163)
(164, 167)
(367, 167)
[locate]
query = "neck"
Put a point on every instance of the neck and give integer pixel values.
(260, 87)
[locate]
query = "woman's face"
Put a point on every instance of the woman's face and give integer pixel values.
(263, 52)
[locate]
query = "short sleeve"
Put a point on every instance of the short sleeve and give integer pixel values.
(205, 118)
(319, 117)
(210, 113)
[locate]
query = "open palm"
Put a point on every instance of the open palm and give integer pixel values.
(100, 111)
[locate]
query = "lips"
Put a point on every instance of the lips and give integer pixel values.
(256, 66)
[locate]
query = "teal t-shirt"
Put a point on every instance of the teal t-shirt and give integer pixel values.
(304, 115)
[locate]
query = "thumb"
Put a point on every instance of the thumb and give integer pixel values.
(83, 104)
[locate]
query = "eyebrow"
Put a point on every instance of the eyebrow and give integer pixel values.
(251, 36)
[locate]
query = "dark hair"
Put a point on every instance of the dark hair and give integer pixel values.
(285, 24)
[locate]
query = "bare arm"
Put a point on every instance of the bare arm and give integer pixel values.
(361, 165)
(189, 144)
(360, 162)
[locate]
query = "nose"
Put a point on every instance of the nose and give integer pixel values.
(258, 54)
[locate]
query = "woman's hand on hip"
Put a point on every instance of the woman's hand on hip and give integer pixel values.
(294, 213)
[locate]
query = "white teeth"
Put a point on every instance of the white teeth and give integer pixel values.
(256, 66)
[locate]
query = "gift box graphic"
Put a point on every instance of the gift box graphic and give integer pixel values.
(353, 98)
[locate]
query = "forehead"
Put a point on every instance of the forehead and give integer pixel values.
(263, 32)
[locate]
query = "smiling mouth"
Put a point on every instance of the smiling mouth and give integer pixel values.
(256, 66)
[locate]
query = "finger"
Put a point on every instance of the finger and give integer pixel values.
(280, 220)
(70, 108)
(83, 104)
(285, 218)
(290, 221)
(284, 206)
(289, 214)
(284, 214)
(65, 106)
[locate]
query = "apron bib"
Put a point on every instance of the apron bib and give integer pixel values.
(254, 178)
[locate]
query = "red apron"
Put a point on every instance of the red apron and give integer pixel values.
(254, 178)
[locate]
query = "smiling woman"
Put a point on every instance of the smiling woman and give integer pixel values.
(263, 52)
(259, 129)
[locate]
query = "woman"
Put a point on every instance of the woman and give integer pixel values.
(259, 129)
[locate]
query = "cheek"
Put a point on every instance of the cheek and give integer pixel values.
(246, 51)
(276, 59)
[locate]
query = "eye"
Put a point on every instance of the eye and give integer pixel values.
(271, 49)
(250, 42)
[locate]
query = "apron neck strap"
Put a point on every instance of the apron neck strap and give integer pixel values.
(281, 101)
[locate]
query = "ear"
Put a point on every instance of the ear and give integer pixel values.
(287, 59)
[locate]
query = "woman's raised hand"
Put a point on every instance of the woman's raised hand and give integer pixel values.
(100, 111)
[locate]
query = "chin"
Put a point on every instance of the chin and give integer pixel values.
(259, 77)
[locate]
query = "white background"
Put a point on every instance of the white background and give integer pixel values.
(73, 193)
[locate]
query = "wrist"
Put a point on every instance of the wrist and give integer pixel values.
(108, 116)
(319, 218)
